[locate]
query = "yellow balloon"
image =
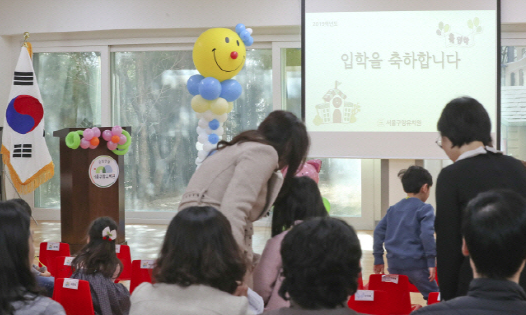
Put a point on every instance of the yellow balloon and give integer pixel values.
(230, 107)
(199, 104)
(219, 53)
(219, 106)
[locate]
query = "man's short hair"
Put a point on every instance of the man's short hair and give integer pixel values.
(465, 120)
(414, 178)
(321, 263)
(494, 227)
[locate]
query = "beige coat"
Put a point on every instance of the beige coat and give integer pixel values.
(242, 181)
(163, 298)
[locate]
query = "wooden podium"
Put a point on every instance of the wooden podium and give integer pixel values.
(81, 201)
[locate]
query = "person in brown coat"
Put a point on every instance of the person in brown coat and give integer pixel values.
(242, 179)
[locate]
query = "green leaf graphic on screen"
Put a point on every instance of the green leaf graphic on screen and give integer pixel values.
(476, 21)
(479, 29)
(440, 25)
(446, 28)
(470, 24)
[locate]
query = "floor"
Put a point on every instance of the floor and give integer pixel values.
(146, 240)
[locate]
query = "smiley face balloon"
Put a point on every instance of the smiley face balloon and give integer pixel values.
(220, 53)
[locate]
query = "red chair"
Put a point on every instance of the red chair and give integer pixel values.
(75, 301)
(62, 267)
(123, 253)
(398, 293)
(379, 306)
(413, 288)
(49, 253)
(434, 297)
(141, 272)
(360, 282)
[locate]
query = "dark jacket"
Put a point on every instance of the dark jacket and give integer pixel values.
(485, 297)
(457, 184)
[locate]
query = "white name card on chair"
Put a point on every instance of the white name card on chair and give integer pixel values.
(390, 278)
(364, 295)
(117, 249)
(71, 283)
(53, 246)
(438, 299)
(68, 260)
(147, 264)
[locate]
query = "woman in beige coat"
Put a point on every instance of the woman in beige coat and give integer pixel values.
(243, 179)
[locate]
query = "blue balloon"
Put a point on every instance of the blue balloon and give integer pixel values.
(210, 88)
(213, 124)
(245, 35)
(240, 28)
(213, 138)
(230, 90)
(193, 84)
(249, 42)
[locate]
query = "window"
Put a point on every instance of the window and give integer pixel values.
(149, 94)
(513, 102)
(70, 84)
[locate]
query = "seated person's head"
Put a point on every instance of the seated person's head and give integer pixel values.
(463, 121)
(494, 230)
(199, 248)
(17, 283)
(416, 179)
(302, 201)
(99, 255)
(321, 263)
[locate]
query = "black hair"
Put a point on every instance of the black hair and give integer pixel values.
(99, 255)
(494, 227)
(321, 263)
(414, 177)
(23, 205)
(199, 248)
(303, 201)
(17, 283)
(463, 121)
(287, 134)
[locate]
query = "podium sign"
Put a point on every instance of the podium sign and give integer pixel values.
(91, 186)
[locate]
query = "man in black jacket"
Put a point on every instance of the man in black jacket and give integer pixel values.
(494, 238)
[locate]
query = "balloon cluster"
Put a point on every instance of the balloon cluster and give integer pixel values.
(114, 137)
(119, 140)
(90, 138)
(214, 94)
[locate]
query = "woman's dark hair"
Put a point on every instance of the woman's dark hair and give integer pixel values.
(199, 248)
(414, 177)
(303, 201)
(494, 227)
(321, 263)
(287, 134)
(23, 205)
(17, 283)
(99, 255)
(465, 120)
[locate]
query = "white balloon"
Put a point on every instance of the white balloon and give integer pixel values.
(249, 30)
(199, 146)
(202, 123)
(209, 147)
(208, 115)
(202, 139)
(222, 118)
(198, 161)
(220, 131)
(209, 131)
(201, 131)
(202, 155)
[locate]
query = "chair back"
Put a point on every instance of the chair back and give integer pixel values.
(370, 302)
(49, 251)
(62, 266)
(434, 297)
(141, 272)
(74, 295)
(123, 253)
(397, 288)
